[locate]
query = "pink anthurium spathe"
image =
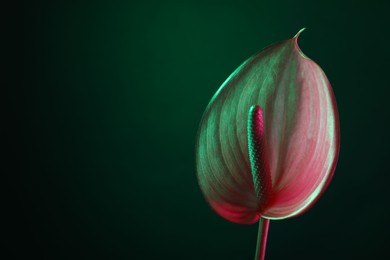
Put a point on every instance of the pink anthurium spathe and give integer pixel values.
(268, 142)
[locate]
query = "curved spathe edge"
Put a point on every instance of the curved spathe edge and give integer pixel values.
(296, 45)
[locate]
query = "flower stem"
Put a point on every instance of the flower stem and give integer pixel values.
(262, 238)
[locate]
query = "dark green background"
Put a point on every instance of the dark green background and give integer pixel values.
(104, 110)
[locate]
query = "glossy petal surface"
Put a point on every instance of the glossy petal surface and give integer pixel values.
(301, 133)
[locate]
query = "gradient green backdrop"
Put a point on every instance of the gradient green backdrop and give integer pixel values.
(104, 113)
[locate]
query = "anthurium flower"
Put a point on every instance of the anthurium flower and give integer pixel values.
(268, 142)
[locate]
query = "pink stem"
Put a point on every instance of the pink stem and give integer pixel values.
(262, 238)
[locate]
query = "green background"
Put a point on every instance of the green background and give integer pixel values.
(104, 110)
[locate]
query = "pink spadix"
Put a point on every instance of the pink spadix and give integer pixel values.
(268, 141)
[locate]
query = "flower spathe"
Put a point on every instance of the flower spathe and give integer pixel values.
(281, 103)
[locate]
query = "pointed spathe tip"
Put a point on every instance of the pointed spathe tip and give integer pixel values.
(295, 40)
(301, 30)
